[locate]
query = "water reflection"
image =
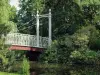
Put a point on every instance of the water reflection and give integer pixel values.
(67, 70)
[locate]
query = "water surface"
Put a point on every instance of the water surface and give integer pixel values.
(66, 70)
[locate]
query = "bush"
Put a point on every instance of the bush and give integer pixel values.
(87, 57)
(25, 67)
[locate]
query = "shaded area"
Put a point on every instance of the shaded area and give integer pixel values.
(33, 55)
(66, 70)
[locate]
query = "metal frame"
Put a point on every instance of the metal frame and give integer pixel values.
(50, 26)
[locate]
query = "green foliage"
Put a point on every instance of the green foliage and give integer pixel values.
(6, 73)
(4, 11)
(76, 54)
(26, 15)
(59, 51)
(25, 67)
(6, 25)
(73, 47)
(76, 28)
(66, 16)
(50, 55)
(94, 40)
(4, 17)
(87, 56)
(91, 54)
(12, 14)
(3, 60)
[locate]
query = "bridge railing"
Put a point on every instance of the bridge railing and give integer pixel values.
(26, 40)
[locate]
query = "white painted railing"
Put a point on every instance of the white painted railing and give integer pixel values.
(25, 40)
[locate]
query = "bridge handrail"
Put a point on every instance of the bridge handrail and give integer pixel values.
(25, 40)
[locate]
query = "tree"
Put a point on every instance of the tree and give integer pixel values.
(66, 16)
(73, 24)
(5, 27)
(82, 27)
(26, 15)
(13, 14)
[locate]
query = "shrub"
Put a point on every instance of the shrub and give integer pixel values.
(25, 67)
(88, 56)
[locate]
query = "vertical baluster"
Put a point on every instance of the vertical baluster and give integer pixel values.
(22, 39)
(15, 38)
(18, 39)
(27, 40)
(12, 38)
(32, 40)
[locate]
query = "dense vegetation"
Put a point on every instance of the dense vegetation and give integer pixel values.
(8, 24)
(75, 28)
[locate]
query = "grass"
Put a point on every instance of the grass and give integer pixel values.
(5, 73)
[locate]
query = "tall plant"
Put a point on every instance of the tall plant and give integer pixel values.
(5, 27)
(25, 67)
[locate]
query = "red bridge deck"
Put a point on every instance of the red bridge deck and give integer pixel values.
(17, 47)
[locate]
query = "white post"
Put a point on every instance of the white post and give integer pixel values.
(50, 28)
(37, 28)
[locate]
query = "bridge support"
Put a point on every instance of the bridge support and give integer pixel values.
(37, 28)
(33, 55)
(50, 26)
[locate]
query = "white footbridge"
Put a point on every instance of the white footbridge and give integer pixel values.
(26, 40)
(19, 39)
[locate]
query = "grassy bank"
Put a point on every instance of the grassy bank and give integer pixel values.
(5, 73)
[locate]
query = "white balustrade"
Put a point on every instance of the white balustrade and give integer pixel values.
(25, 40)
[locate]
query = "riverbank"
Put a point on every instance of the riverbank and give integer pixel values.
(5, 73)
(65, 69)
